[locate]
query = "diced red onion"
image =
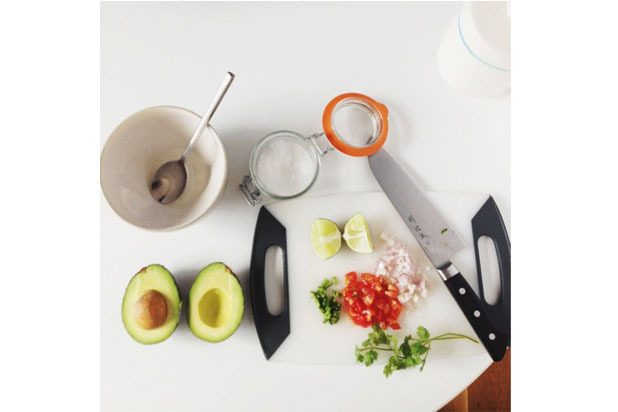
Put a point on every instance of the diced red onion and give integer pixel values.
(398, 267)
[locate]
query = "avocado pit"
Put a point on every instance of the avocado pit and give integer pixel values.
(150, 310)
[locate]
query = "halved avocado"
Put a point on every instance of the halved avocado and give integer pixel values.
(216, 303)
(151, 305)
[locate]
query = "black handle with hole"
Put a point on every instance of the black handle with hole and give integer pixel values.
(495, 340)
(272, 330)
(488, 222)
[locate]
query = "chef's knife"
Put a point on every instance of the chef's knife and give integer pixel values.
(439, 242)
(272, 330)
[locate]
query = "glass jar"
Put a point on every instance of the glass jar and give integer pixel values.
(285, 164)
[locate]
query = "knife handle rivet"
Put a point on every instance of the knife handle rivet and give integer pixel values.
(462, 291)
(492, 336)
(477, 314)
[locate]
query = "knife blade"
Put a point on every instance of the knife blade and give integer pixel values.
(435, 236)
(439, 242)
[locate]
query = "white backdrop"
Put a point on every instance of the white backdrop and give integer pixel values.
(290, 60)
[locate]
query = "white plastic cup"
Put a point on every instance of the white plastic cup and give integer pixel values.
(474, 55)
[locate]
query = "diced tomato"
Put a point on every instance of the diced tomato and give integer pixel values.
(371, 300)
(368, 298)
(368, 278)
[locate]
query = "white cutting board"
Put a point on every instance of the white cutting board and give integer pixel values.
(311, 341)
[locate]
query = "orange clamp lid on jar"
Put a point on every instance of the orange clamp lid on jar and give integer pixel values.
(378, 110)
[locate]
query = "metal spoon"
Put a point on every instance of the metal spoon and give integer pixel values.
(171, 178)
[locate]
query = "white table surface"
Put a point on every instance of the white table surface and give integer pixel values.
(290, 59)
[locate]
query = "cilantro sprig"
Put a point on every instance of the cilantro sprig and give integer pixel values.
(412, 352)
(328, 304)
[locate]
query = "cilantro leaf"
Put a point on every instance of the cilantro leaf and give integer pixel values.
(359, 356)
(370, 357)
(422, 332)
(419, 347)
(405, 347)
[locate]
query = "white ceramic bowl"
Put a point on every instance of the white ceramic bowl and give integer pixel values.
(142, 143)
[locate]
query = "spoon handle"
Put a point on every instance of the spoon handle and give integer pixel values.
(227, 81)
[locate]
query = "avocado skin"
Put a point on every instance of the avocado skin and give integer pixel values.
(229, 271)
(179, 301)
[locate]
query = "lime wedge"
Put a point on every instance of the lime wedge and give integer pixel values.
(326, 238)
(356, 234)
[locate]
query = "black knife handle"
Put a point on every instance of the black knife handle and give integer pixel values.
(494, 340)
(272, 330)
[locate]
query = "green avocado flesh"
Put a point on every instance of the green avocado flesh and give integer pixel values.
(151, 305)
(216, 303)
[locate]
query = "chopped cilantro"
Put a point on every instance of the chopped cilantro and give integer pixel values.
(328, 304)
